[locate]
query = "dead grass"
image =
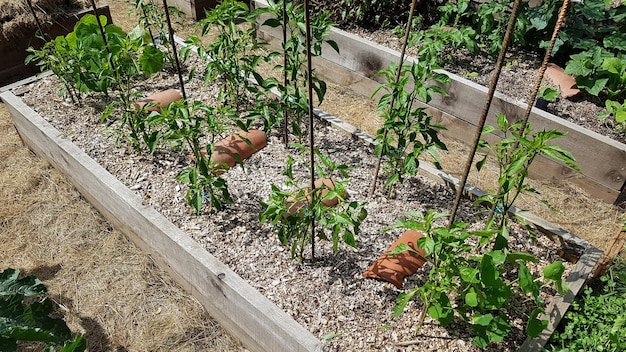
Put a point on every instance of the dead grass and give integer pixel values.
(106, 287)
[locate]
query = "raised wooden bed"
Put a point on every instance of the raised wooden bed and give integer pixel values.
(13, 52)
(238, 307)
(601, 160)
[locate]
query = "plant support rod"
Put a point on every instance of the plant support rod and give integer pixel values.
(285, 74)
(483, 116)
(309, 63)
(393, 96)
(32, 10)
(171, 33)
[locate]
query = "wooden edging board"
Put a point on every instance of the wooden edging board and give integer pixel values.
(602, 161)
(236, 305)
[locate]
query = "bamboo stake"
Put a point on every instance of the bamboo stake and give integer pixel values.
(307, 22)
(398, 72)
(483, 116)
(171, 32)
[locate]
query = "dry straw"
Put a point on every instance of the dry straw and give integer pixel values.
(107, 289)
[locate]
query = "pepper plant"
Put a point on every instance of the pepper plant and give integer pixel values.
(294, 96)
(514, 155)
(408, 130)
(234, 55)
(469, 280)
(291, 210)
(195, 127)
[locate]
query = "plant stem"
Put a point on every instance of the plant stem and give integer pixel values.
(483, 116)
(393, 96)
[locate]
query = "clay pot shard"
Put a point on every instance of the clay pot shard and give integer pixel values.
(394, 269)
(237, 147)
(327, 185)
(566, 83)
(159, 100)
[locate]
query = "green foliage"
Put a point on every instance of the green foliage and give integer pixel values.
(408, 131)
(469, 281)
(25, 315)
(153, 20)
(186, 126)
(515, 153)
(233, 56)
(596, 320)
(294, 96)
(291, 210)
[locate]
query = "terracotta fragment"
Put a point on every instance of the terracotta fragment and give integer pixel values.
(159, 100)
(235, 148)
(394, 269)
(566, 83)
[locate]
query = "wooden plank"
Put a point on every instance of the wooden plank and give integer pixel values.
(602, 160)
(243, 311)
(560, 304)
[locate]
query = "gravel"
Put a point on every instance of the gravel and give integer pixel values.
(327, 295)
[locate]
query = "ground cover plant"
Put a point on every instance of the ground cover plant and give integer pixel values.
(597, 317)
(25, 315)
(199, 195)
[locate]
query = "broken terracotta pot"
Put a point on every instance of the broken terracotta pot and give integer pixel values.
(159, 100)
(394, 269)
(566, 83)
(238, 147)
(327, 185)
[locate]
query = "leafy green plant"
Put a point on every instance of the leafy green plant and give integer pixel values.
(233, 56)
(514, 154)
(195, 127)
(596, 319)
(617, 111)
(294, 97)
(408, 131)
(57, 56)
(471, 282)
(153, 20)
(25, 316)
(291, 210)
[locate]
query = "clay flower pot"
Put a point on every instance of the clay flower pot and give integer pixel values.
(238, 147)
(566, 83)
(159, 100)
(394, 269)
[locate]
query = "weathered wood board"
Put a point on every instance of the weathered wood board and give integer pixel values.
(243, 311)
(602, 161)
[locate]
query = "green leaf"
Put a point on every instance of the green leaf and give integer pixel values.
(471, 299)
(482, 319)
(535, 326)
(151, 60)
(28, 286)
